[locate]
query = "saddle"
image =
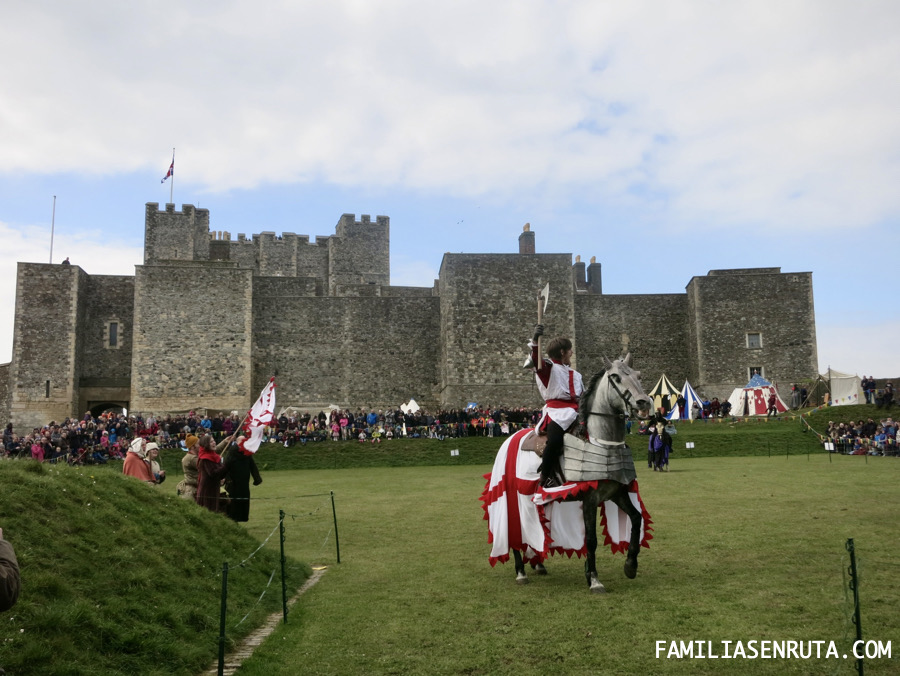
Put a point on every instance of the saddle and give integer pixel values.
(535, 443)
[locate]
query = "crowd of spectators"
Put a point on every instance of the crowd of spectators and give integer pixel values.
(99, 439)
(865, 437)
(377, 425)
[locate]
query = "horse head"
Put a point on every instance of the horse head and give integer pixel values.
(626, 382)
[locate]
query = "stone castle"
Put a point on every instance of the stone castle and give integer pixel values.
(208, 318)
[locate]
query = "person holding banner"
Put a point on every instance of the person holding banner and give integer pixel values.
(240, 466)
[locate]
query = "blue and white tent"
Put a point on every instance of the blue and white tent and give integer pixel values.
(690, 396)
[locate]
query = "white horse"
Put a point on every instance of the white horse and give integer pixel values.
(602, 466)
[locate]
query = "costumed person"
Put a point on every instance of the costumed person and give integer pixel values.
(773, 409)
(560, 386)
(135, 464)
(158, 473)
(187, 487)
(240, 466)
(210, 472)
(660, 447)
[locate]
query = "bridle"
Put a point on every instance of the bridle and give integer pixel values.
(626, 398)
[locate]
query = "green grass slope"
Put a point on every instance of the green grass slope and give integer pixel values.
(123, 578)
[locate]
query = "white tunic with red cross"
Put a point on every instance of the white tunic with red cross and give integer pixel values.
(560, 387)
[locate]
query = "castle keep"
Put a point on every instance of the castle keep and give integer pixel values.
(208, 318)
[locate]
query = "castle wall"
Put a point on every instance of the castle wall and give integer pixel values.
(726, 305)
(488, 312)
(346, 351)
(175, 235)
(652, 327)
(4, 394)
(207, 320)
(106, 367)
(192, 337)
(45, 368)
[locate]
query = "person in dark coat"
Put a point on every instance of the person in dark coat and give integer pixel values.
(9, 575)
(240, 466)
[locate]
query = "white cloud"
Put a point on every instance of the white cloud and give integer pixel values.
(865, 347)
(771, 113)
(94, 252)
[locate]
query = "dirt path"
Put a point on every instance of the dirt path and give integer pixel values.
(234, 660)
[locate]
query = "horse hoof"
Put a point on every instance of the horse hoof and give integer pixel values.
(598, 589)
(522, 580)
(540, 570)
(630, 569)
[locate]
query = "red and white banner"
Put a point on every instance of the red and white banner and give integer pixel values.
(259, 416)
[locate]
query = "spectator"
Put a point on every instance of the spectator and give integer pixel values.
(210, 472)
(10, 582)
(187, 487)
(135, 465)
(158, 473)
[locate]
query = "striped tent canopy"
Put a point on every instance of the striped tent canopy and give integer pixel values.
(663, 391)
(690, 396)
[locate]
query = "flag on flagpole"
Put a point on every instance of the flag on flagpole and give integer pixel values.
(260, 415)
(171, 171)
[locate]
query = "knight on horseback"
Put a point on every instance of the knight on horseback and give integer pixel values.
(560, 386)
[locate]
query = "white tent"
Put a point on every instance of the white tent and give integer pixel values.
(664, 390)
(845, 389)
(690, 396)
(753, 398)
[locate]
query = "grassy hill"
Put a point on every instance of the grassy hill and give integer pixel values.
(122, 578)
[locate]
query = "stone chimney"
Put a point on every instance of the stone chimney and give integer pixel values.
(526, 240)
(578, 274)
(595, 283)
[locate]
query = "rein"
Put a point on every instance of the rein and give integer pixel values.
(626, 399)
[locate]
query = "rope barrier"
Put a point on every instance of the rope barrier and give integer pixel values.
(268, 584)
(241, 564)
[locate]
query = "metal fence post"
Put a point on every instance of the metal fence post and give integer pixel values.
(854, 585)
(337, 542)
(222, 619)
(283, 580)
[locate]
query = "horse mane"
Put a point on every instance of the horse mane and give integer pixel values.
(588, 394)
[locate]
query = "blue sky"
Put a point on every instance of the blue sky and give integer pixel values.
(666, 139)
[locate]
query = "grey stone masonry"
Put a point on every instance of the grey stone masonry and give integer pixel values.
(210, 317)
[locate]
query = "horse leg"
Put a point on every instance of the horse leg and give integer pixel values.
(538, 568)
(521, 577)
(589, 507)
(634, 545)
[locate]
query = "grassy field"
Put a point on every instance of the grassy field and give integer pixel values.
(750, 527)
(745, 549)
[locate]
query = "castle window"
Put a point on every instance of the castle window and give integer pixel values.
(113, 337)
(755, 371)
(754, 340)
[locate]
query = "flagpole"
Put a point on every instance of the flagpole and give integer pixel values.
(52, 228)
(172, 184)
